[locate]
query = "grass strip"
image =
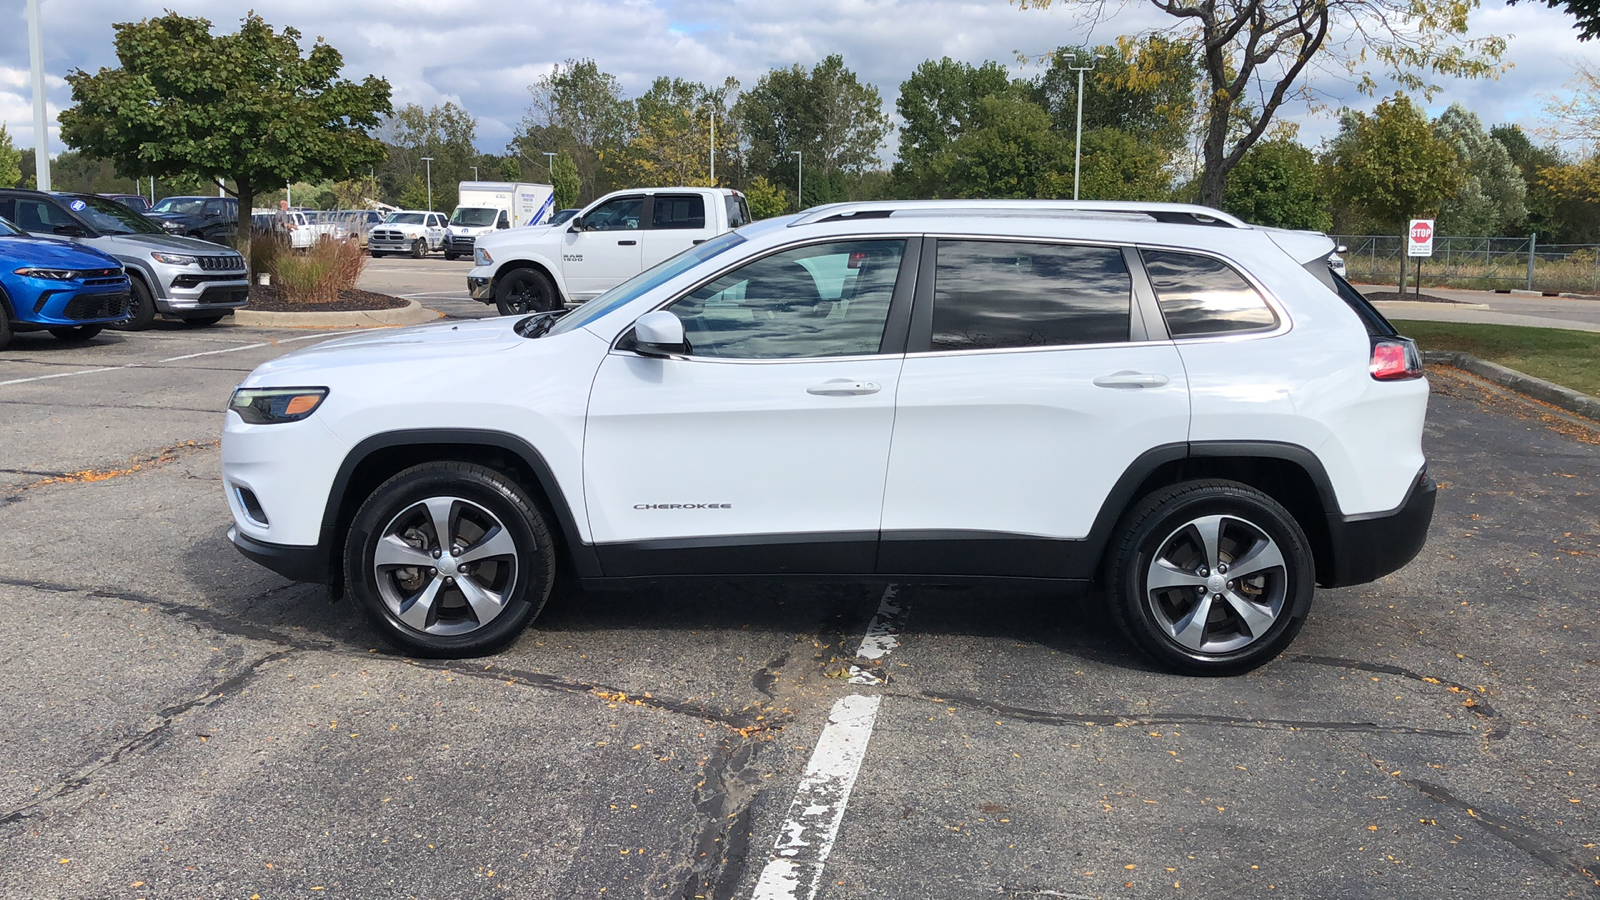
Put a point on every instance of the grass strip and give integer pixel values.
(1568, 358)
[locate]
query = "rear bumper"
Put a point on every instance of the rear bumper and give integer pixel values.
(1368, 547)
(309, 564)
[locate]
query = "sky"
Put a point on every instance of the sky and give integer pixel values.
(483, 54)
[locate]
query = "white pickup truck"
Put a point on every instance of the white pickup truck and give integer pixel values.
(539, 268)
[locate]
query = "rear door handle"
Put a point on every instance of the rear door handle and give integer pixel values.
(626, 243)
(1130, 380)
(844, 387)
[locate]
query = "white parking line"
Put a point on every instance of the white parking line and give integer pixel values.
(806, 838)
(141, 365)
(881, 637)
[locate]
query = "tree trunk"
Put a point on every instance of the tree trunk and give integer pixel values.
(246, 193)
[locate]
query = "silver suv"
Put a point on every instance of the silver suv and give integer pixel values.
(178, 277)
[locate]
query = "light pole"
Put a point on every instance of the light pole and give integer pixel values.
(429, 161)
(474, 172)
(41, 134)
(1077, 150)
(799, 180)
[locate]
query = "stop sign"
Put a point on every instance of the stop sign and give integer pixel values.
(1421, 243)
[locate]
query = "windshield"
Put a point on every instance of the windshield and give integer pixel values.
(6, 228)
(472, 217)
(110, 217)
(182, 206)
(404, 219)
(646, 281)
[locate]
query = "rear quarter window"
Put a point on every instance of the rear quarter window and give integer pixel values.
(1204, 297)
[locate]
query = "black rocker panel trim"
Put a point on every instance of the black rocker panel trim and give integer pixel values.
(582, 554)
(828, 553)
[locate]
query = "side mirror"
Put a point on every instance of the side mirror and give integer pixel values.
(659, 333)
(577, 223)
(502, 224)
(67, 230)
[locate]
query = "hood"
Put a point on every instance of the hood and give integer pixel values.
(517, 235)
(398, 347)
(133, 243)
(17, 251)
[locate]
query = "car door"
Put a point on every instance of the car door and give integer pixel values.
(677, 222)
(764, 448)
(1036, 374)
(214, 216)
(436, 229)
(603, 249)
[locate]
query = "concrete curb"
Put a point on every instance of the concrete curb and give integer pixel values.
(413, 313)
(1537, 388)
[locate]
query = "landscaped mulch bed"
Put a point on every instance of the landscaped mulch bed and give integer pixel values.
(1387, 296)
(269, 298)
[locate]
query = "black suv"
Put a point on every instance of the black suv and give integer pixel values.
(214, 219)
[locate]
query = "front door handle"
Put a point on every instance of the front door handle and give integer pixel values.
(1127, 380)
(626, 243)
(844, 387)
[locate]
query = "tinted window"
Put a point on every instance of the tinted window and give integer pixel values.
(1204, 296)
(214, 208)
(673, 211)
(404, 219)
(646, 281)
(34, 215)
(989, 294)
(738, 212)
(821, 300)
(621, 214)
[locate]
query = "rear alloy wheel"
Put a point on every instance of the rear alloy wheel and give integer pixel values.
(141, 307)
(75, 333)
(1211, 577)
(449, 559)
(524, 291)
(419, 249)
(201, 321)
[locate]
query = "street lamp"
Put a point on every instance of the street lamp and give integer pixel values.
(799, 180)
(429, 161)
(41, 135)
(1077, 150)
(550, 163)
(474, 172)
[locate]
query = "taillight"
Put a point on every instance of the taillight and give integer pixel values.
(1395, 359)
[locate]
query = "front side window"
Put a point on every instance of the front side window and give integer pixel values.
(816, 301)
(1203, 297)
(621, 214)
(991, 295)
(678, 211)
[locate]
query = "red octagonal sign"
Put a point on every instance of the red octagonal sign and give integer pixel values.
(1421, 243)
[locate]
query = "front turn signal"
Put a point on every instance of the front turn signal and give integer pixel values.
(269, 406)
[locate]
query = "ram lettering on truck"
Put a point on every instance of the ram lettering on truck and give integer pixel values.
(523, 270)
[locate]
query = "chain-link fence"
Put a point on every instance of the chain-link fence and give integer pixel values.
(1475, 262)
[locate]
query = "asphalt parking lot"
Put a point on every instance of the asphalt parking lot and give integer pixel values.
(186, 724)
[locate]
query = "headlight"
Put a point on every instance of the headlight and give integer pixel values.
(481, 256)
(269, 406)
(175, 259)
(51, 274)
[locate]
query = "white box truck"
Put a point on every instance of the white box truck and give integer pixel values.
(487, 206)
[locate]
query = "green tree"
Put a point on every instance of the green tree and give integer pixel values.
(672, 141)
(826, 114)
(937, 104)
(1255, 54)
(1390, 166)
(247, 107)
(578, 110)
(446, 134)
(10, 160)
(510, 169)
(1009, 151)
(1586, 12)
(1118, 165)
(1553, 215)
(565, 180)
(1492, 194)
(1278, 184)
(1145, 88)
(766, 199)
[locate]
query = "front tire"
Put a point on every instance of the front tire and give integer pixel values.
(451, 256)
(141, 307)
(524, 291)
(376, 254)
(449, 559)
(419, 250)
(75, 333)
(1211, 577)
(201, 321)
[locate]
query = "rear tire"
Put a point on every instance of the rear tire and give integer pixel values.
(74, 334)
(1210, 577)
(524, 291)
(141, 307)
(470, 594)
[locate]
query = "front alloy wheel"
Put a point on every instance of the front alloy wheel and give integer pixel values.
(1211, 577)
(450, 559)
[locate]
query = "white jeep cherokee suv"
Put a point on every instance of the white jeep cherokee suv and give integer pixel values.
(1191, 411)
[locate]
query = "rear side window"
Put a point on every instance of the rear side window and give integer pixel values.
(1376, 324)
(672, 211)
(738, 212)
(1202, 297)
(991, 295)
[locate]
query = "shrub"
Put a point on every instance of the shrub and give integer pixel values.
(262, 253)
(320, 273)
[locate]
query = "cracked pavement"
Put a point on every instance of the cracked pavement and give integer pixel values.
(186, 724)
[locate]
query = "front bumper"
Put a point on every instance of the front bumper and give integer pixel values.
(481, 288)
(1368, 547)
(64, 304)
(461, 244)
(310, 564)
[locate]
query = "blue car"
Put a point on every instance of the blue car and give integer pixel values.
(68, 290)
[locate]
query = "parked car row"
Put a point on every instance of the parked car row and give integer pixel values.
(75, 263)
